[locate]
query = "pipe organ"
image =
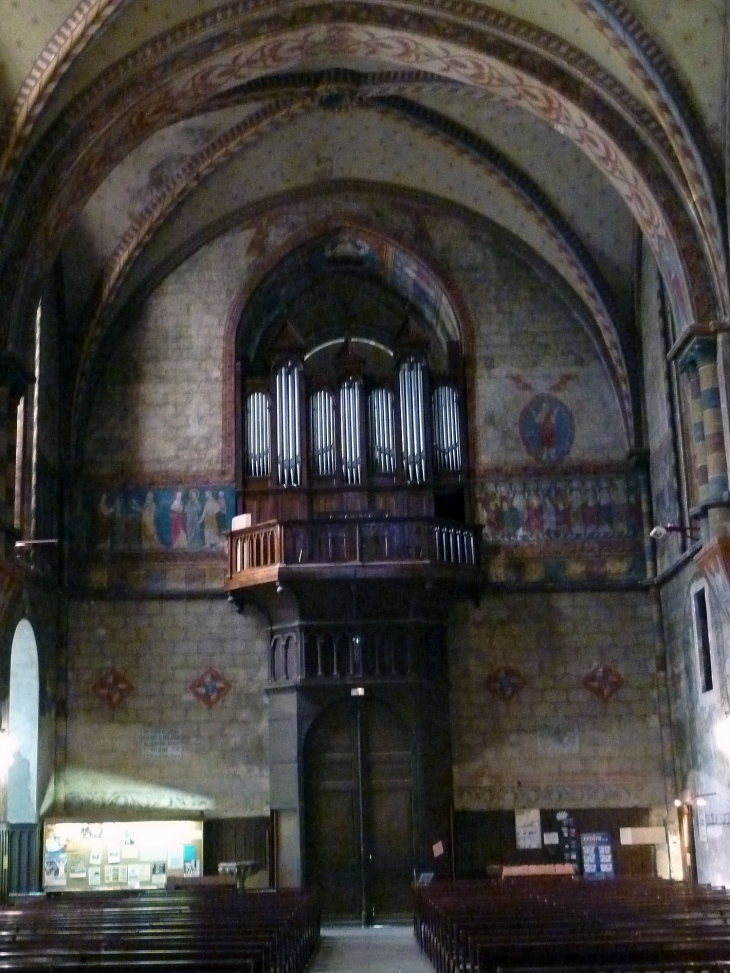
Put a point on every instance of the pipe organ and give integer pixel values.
(258, 434)
(412, 417)
(322, 433)
(349, 437)
(382, 431)
(288, 424)
(350, 432)
(446, 429)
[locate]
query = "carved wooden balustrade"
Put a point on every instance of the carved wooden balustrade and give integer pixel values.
(369, 546)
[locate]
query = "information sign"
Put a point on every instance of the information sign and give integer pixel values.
(597, 854)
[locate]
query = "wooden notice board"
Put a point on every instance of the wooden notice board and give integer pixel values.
(78, 856)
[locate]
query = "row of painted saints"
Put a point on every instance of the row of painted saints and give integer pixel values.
(565, 509)
(173, 520)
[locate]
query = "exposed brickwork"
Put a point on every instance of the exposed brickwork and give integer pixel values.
(159, 409)
(162, 647)
(555, 744)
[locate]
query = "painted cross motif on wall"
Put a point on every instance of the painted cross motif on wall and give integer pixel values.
(210, 687)
(112, 688)
(603, 681)
(505, 682)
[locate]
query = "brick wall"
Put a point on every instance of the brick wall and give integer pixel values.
(162, 647)
(555, 744)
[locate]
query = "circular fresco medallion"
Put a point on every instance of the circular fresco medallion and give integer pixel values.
(547, 429)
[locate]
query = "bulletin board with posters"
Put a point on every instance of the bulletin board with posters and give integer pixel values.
(78, 856)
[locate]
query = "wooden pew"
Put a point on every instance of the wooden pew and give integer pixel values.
(215, 930)
(549, 923)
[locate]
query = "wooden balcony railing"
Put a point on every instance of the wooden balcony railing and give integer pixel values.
(256, 553)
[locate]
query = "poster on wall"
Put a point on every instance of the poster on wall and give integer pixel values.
(528, 830)
(113, 855)
(597, 854)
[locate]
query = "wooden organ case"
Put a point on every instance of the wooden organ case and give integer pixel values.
(353, 468)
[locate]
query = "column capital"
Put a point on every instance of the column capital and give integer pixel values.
(697, 344)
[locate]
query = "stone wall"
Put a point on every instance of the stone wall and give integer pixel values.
(662, 431)
(161, 747)
(700, 721)
(554, 743)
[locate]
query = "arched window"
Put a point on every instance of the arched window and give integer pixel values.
(22, 798)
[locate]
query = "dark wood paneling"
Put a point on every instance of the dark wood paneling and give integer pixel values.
(484, 838)
(235, 839)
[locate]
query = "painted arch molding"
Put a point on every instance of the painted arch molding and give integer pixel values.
(667, 189)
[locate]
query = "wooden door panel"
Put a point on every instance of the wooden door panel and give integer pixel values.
(334, 777)
(391, 848)
(333, 848)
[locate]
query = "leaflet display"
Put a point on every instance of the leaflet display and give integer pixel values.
(78, 856)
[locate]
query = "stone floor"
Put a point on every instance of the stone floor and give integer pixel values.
(380, 949)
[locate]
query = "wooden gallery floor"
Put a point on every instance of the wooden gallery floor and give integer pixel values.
(350, 949)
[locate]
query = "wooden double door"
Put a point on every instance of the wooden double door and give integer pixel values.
(359, 811)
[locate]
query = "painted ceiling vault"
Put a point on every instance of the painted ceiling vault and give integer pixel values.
(138, 130)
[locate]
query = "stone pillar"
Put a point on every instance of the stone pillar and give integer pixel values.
(689, 368)
(699, 362)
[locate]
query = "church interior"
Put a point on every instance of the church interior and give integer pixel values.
(364, 441)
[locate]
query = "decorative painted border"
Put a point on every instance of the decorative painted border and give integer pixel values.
(673, 267)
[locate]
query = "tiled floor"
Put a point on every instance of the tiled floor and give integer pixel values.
(384, 949)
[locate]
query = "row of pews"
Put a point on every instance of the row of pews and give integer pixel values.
(205, 931)
(541, 924)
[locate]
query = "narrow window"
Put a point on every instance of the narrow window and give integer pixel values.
(34, 424)
(19, 460)
(702, 635)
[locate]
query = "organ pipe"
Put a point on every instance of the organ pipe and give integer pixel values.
(288, 425)
(322, 417)
(258, 435)
(413, 431)
(350, 432)
(446, 428)
(382, 433)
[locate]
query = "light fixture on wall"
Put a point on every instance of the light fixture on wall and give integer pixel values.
(661, 530)
(19, 545)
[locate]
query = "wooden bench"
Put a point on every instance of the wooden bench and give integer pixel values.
(202, 929)
(545, 923)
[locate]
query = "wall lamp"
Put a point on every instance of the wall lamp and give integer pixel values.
(661, 530)
(48, 540)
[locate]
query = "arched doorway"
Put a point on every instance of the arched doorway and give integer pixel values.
(359, 811)
(23, 710)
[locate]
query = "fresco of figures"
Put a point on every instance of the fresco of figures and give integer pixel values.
(163, 519)
(535, 509)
